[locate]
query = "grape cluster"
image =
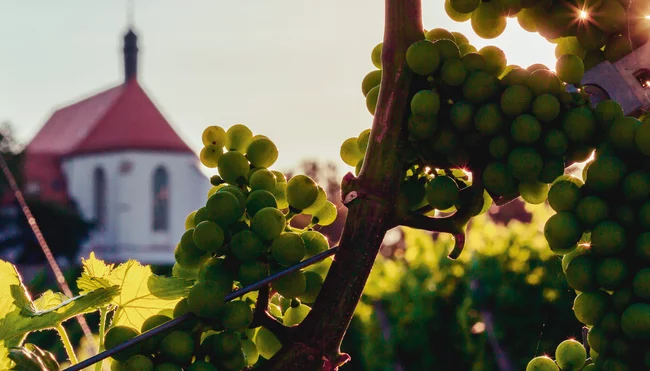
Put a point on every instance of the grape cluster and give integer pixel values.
(602, 229)
(569, 355)
(241, 236)
(515, 128)
(594, 30)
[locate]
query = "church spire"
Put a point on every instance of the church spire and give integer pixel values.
(130, 47)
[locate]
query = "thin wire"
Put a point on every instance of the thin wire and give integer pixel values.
(187, 316)
(58, 274)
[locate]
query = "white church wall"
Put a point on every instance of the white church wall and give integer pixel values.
(129, 232)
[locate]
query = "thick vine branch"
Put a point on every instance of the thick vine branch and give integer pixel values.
(316, 344)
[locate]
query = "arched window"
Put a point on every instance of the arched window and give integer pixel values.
(99, 196)
(160, 199)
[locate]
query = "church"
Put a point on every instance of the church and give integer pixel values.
(120, 161)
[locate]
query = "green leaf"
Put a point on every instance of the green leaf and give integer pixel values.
(142, 293)
(20, 316)
(31, 357)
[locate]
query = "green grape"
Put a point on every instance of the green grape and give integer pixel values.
(635, 321)
(315, 242)
(580, 273)
(456, 15)
(235, 191)
(181, 308)
(607, 112)
(250, 350)
(474, 62)
(495, 60)
(313, 284)
(564, 196)
(442, 192)
(636, 186)
(644, 215)
(210, 156)
(262, 153)
(224, 208)
(267, 343)
(597, 338)
(259, 200)
(546, 107)
(488, 119)
(570, 69)
(320, 201)
(117, 335)
(371, 80)
(591, 210)
(187, 254)
(376, 55)
(569, 45)
(294, 315)
(623, 132)
(615, 364)
(479, 86)
(516, 100)
(498, 179)
(579, 124)
(642, 245)
(221, 345)
(280, 194)
(362, 141)
(533, 192)
(611, 322)
(590, 307)
(350, 153)
(279, 176)
(453, 72)
(189, 220)
(247, 246)
(462, 115)
(591, 37)
(487, 22)
(251, 272)
(425, 103)
(499, 147)
(526, 20)
(208, 236)
(326, 215)
(641, 284)
(551, 170)
(570, 355)
(238, 137)
(268, 223)
(525, 129)
(214, 136)
(233, 167)
(642, 137)
(611, 272)
(517, 76)
(236, 315)
(150, 345)
(621, 298)
(180, 272)
(199, 365)
(139, 362)
(526, 163)
(291, 285)
(556, 142)
(288, 249)
(447, 49)
(262, 179)
(542, 363)
(459, 38)
(422, 128)
(605, 173)
(464, 6)
(206, 299)
(562, 231)
(177, 347)
(216, 270)
(445, 142)
(423, 57)
(608, 238)
(438, 34)
(302, 192)
(466, 49)
(543, 81)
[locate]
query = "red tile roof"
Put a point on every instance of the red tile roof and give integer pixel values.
(120, 118)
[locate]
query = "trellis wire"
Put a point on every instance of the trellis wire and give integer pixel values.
(179, 320)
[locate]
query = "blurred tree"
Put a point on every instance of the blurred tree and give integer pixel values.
(12, 152)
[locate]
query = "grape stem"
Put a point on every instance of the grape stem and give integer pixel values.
(261, 317)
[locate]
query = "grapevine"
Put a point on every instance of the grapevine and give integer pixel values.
(455, 130)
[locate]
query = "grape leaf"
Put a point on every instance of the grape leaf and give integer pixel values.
(142, 293)
(19, 315)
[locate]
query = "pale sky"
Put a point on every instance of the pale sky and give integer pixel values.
(289, 69)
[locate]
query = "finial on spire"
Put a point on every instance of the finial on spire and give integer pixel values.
(130, 13)
(130, 46)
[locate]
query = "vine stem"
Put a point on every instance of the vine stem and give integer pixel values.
(69, 349)
(103, 313)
